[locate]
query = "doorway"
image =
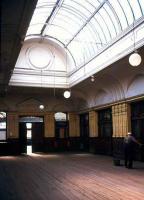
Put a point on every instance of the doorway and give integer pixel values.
(61, 130)
(105, 131)
(137, 125)
(84, 132)
(31, 134)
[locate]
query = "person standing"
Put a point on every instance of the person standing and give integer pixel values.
(129, 146)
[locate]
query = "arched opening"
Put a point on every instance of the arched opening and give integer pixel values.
(61, 130)
(31, 131)
(3, 126)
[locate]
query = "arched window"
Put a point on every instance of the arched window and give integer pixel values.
(2, 125)
(61, 125)
(59, 116)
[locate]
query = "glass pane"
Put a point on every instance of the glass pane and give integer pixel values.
(2, 116)
(68, 14)
(2, 134)
(128, 11)
(29, 149)
(142, 5)
(40, 15)
(40, 2)
(99, 30)
(87, 36)
(119, 12)
(2, 126)
(29, 134)
(90, 5)
(34, 29)
(95, 3)
(103, 26)
(59, 116)
(108, 22)
(77, 50)
(67, 24)
(31, 119)
(29, 125)
(68, 19)
(136, 8)
(113, 17)
(81, 6)
(59, 33)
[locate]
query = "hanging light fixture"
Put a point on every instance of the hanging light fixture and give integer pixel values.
(41, 106)
(135, 58)
(92, 78)
(67, 94)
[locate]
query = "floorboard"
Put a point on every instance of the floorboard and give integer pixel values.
(69, 177)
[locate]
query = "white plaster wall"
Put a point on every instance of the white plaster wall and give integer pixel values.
(136, 86)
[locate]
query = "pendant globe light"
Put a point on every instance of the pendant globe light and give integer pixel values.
(92, 78)
(41, 106)
(67, 94)
(135, 58)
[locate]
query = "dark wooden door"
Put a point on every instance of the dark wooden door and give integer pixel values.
(137, 122)
(37, 136)
(61, 134)
(22, 137)
(84, 132)
(105, 131)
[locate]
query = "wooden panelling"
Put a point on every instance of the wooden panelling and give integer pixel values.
(12, 125)
(103, 145)
(93, 124)
(121, 119)
(10, 147)
(74, 130)
(49, 144)
(49, 123)
(67, 144)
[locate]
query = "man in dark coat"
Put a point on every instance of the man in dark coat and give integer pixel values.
(129, 145)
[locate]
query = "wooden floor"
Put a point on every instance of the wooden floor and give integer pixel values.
(69, 177)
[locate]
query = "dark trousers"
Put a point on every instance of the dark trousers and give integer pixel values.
(128, 153)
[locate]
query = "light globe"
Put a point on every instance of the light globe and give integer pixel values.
(41, 107)
(67, 94)
(135, 59)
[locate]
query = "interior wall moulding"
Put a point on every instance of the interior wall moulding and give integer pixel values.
(96, 108)
(39, 57)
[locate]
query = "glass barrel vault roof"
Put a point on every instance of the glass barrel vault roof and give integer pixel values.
(84, 27)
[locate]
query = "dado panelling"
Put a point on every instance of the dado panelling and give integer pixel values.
(12, 125)
(121, 119)
(49, 123)
(93, 124)
(74, 130)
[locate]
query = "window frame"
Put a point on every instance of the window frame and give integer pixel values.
(2, 140)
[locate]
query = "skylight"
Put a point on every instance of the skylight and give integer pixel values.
(85, 25)
(70, 40)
